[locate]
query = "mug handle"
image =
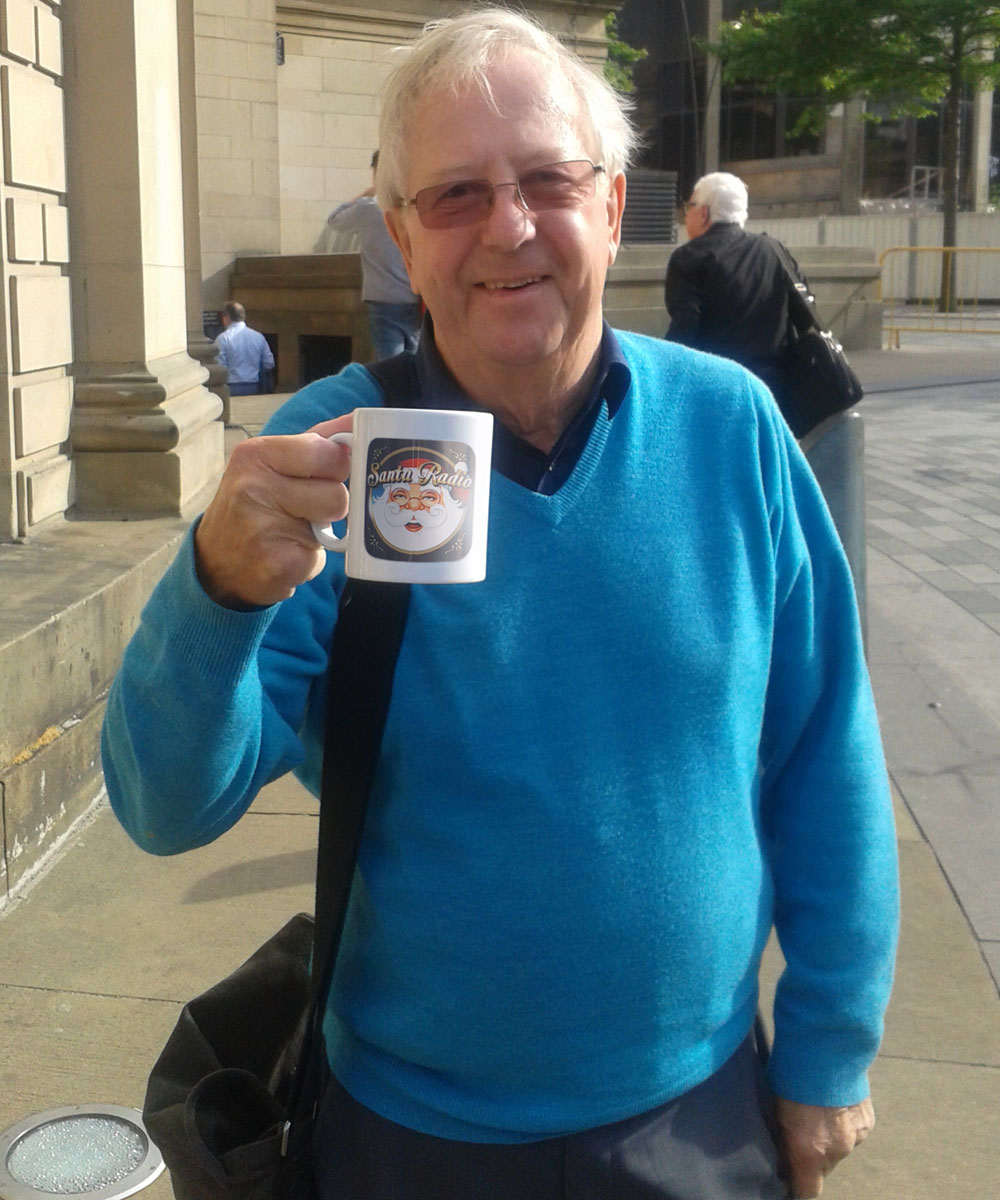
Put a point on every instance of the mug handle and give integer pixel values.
(324, 533)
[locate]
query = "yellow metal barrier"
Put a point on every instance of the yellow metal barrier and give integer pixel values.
(939, 289)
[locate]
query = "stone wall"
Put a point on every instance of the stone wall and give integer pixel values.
(36, 472)
(237, 113)
(315, 295)
(79, 589)
(328, 89)
(280, 144)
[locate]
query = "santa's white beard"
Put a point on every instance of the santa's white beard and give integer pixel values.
(437, 525)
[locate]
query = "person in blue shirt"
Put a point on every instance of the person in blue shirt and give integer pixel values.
(244, 353)
(608, 770)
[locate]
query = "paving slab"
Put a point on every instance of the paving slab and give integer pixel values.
(936, 1081)
(201, 913)
(64, 1047)
(936, 629)
(944, 1005)
(98, 957)
(932, 432)
(935, 1136)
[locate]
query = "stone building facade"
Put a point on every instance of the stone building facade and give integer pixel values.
(147, 144)
(36, 479)
(161, 139)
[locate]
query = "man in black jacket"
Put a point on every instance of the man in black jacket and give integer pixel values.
(726, 289)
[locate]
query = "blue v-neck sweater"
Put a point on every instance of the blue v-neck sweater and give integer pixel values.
(606, 771)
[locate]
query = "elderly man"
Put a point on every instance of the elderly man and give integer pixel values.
(652, 734)
(727, 290)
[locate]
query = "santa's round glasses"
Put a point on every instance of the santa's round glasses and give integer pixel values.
(467, 201)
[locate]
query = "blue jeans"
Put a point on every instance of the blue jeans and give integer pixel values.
(393, 327)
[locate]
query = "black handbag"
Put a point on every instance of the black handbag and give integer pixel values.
(232, 1098)
(813, 380)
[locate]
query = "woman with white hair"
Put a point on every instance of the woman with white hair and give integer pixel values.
(727, 290)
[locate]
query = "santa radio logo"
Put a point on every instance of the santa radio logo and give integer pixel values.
(419, 500)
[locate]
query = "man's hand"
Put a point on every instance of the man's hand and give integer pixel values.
(816, 1139)
(254, 544)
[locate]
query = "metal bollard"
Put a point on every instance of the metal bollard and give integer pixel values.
(835, 450)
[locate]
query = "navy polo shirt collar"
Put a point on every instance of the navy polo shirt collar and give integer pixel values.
(513, 457)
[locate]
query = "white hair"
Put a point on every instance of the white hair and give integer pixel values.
(455, 53)
(725, 195)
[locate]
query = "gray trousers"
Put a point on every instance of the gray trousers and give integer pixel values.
(715, 1142)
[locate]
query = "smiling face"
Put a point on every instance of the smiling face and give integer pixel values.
(415, 506)
(517, 295)
(414, 517)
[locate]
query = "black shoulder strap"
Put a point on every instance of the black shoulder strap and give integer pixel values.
(397, 377)
(801, 313)
(371, 620)
(366, 642)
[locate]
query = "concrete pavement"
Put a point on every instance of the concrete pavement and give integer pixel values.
(97, 957)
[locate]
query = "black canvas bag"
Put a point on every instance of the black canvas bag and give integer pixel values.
(232, 1099)
(218, 1096)
(813, 379)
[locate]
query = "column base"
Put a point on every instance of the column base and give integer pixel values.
(206, 352)
(147, 483)
(146, 443)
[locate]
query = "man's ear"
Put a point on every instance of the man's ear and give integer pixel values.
(397, 231)
(400, 235)
(616, 207)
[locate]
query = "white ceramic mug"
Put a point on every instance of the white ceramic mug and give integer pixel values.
(419, 496)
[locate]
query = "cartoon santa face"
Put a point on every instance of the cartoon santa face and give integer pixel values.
(415, 511)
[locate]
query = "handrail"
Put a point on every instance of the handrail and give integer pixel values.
(935, 296)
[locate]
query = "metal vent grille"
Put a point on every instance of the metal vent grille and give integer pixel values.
(650, 207)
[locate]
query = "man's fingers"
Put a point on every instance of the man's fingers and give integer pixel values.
(327, 429)
(254, 543)
(299, 456)
(309, 500)
(298, 476)
(815, 1139)
(806, 1167)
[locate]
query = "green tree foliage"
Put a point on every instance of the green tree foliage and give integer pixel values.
(621, 57)
(907, 53)
(910, 55)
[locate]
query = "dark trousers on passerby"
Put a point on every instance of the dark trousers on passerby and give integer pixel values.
(394, 328)
(715, 1142)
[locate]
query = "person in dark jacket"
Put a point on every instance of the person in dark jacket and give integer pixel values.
(727, 290)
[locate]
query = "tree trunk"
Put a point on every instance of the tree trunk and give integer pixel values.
(947, 301)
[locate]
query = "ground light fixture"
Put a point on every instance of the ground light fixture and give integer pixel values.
(92, 1151)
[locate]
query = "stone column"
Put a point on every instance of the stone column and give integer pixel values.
(200, 347)
(145, 434)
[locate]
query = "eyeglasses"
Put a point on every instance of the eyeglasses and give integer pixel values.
(467, 201)
(689, 204)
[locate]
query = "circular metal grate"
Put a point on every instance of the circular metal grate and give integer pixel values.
(97, 1151)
